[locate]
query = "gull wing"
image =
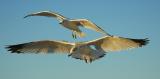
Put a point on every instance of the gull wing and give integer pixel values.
(41, 47)
(90, 25)
(114, 43)
(48, 14)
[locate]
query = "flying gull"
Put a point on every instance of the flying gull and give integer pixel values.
(72, 24)
(87, 51)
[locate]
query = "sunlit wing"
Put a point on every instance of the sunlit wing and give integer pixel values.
(114, 43)
(90, 25)
(87, 54)
(47, 14)
(41, 47)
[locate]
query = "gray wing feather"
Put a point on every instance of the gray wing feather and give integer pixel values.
(114, 43)
(41, 47)
(47, 14)
(90, 25)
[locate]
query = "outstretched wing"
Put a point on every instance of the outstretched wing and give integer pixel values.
(90, 25)
(114, 43)
(41, 47)
(47, 14)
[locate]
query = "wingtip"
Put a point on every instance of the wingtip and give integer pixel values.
(14, 48)
(26, 16)
(145, 41)
(142, 42)
(9, 48)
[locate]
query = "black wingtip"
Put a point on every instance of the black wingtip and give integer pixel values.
(14, 48)
(26, 16)
(142, 42)
(146, 41)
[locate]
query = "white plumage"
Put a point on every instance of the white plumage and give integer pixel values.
(72, 24)
(88, 51)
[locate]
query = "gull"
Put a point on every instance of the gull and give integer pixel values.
(87, 50)
(72, 24)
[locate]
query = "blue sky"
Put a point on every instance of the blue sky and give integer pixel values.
(127, 18)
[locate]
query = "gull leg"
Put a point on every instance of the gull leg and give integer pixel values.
(86, 60)
(74, 35)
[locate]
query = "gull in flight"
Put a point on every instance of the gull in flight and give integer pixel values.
(87, 51)
(72, 24)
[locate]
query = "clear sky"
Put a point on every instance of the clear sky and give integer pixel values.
(127, 18)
